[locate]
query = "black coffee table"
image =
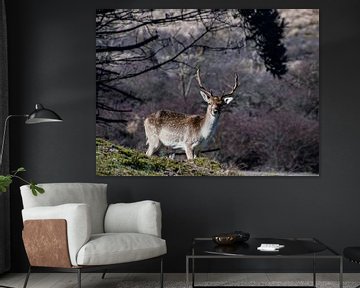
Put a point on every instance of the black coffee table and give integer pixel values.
(294, 248)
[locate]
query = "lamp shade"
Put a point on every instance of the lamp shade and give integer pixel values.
(42, 115)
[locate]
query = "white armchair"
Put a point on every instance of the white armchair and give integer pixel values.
(72, 228)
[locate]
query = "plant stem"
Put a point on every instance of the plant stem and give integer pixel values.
(22, 179)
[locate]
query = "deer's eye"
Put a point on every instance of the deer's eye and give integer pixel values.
(215, 110)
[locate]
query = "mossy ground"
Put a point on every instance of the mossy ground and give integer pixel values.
(116, 160)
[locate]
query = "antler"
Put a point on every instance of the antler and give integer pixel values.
(236, 85)
(200, 83)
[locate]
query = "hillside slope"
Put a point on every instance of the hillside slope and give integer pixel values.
(116, 160)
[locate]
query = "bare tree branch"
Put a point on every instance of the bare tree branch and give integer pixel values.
(103, 106)
(124, 48)
(161, 63)
(120, 91)
(107, 120)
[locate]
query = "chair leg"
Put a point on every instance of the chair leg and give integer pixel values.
(161, 273)
(27, 277)
(79, 277)
(3, 286)
(103, 275)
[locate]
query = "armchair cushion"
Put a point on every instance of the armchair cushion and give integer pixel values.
(138, 217)
(78, 221)
(113, 248)
(92, 194)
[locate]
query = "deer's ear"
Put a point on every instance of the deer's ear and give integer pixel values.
(205, 96)
(227, 100)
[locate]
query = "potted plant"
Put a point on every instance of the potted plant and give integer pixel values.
(6, 180)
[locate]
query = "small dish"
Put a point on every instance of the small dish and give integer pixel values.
(225, 239)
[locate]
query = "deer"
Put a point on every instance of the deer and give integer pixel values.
(187, 132)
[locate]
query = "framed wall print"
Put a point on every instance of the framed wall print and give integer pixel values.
(202, 92)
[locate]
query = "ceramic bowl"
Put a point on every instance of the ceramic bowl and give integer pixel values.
(225, 239)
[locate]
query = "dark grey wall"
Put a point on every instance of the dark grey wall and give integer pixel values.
(52, 61)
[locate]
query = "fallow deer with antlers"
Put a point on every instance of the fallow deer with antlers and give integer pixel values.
(187, 132)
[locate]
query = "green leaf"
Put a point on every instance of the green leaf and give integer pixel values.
(36, 189)
(5, 182)
(33, 189)
(39, 189)
(20, 169)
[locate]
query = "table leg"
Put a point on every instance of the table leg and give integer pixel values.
(341, 273)
(314, 271)
(187, 272)
(193, 272)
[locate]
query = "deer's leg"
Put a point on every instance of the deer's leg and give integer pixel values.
(152, 149)
(154, 145)
(152, 139)
(189, 152)
(197, 153)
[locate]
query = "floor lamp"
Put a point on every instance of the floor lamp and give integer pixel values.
(39, 115)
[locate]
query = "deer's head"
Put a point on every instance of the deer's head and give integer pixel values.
(215, 103)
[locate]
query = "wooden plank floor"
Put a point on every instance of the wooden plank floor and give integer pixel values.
(114, 280)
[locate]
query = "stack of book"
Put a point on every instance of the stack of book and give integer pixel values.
(270, 247)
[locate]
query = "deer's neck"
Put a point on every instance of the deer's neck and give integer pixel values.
(209, 124)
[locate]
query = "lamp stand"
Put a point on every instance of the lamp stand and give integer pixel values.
(4, 135)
